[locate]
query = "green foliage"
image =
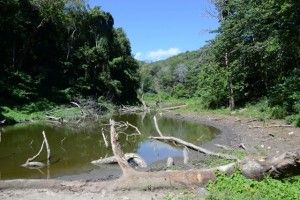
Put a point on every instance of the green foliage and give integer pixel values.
(253, 62)
(58, 50)
(38, 111)
(294, 119)
(184, 195)
(238, 187)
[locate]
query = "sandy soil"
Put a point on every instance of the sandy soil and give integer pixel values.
(259, 139)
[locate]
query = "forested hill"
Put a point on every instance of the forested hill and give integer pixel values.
(62, 49)
(254, 58)
(177, 75)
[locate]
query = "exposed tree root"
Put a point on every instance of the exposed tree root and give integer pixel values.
(104, 138)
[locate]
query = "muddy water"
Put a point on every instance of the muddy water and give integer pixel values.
(73, 149)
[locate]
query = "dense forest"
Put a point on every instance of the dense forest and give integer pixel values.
(56, 51)
(255, 57)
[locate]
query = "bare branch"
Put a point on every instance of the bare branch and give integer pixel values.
(194, 147)
(156, 126)
(116, 148)
(104, 138)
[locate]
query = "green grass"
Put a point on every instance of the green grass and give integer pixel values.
(260, 110)
(40, 110)
(214, 161)
(236, 187)
(24, 114)
(182, 195)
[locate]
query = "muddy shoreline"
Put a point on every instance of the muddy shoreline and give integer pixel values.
(264, 138)
(234, 131)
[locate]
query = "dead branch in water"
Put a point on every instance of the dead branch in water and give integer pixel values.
(156, 126)
(136, 128)
(47, 148)
(35, 156)
(116, 148)
(286, 164)
(30, 163)
(187, 144)
(174, 107)
(104, 138)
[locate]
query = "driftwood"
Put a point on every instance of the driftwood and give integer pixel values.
(174, 107)
(132, 158)
(194, 147)
(104, 138)
(287, 164)
(132, 126)
(156, 126)
(187, 144)
(30, 163)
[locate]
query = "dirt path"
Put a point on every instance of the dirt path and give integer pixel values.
(257, 136)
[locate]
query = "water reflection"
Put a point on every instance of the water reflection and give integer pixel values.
(73, 149)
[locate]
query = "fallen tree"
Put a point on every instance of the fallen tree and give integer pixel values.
(286, 164)
(133, 158)
(187, 144)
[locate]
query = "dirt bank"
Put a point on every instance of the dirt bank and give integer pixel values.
(265, 138)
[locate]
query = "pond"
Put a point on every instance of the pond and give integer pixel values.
(72, 150)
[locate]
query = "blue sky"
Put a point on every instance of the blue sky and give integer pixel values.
(160, 29)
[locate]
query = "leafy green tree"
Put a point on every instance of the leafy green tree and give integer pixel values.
(61, 49)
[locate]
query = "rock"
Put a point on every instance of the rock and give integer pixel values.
(291, 133)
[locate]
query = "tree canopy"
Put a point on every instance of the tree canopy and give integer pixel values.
(254, 56)
(61, 49)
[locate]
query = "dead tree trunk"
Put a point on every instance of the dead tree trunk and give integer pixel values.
(287, 164)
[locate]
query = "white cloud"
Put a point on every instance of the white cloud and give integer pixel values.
(156, 55)
(138, 55)
(162, 53)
